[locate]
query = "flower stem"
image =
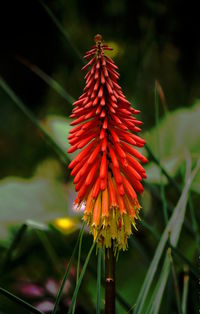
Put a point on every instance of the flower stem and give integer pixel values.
(109, 281)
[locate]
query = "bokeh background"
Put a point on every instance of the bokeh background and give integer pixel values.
(156, 44)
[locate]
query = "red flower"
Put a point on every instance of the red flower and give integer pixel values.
(106, 171)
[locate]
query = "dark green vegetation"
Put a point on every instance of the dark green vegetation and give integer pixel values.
(157, 56)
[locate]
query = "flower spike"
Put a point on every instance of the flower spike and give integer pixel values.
(106, 171)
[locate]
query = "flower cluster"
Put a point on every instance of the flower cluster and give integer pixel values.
(106, 171)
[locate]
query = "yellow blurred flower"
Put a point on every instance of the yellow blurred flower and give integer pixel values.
(65, 224)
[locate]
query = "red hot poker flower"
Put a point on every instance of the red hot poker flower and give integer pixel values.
(106, 171)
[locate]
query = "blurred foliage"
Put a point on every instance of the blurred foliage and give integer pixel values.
(41, 61)
(179, 134)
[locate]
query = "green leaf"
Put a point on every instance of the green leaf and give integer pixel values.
(30, 200)
(178, 132)
(172, 231)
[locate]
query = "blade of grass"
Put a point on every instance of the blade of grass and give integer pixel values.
(175, 281)
(35, 121)
(47, 79)
(78, 266)
(79, 257)
(164, 205)
(19, 301)
(185, 290)
(81, 278)
(98, 310)
(62, 31)
(154, 190)
(194, 224)
(193, 269)
(162, 97)
(156, 298)
(169, 294)
(173, 230)
(60, 291)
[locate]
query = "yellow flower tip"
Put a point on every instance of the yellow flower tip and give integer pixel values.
(110, 219)
(114, 227)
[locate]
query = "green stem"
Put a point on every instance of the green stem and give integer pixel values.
(158, 154)
(109, 281)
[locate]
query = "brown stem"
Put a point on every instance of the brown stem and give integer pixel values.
(109, 281)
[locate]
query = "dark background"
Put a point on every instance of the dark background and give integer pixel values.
(154, 40)
(157, 36)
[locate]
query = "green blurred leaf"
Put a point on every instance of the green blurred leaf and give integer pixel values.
(179, 132)
(30, 199)
(59, 127)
